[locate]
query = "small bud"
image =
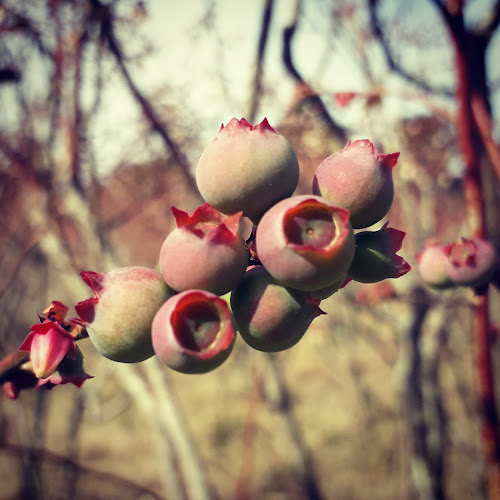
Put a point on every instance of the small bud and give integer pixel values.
(69, 371)
(48, 343)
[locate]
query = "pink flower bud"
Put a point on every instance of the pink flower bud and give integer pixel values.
(205, 251)
(306, 242)
(247, 168)
(375, 257)
(269, 316)
(48, 343)
(358, 179)
(118, 318)
(69, 371)
(193, 332)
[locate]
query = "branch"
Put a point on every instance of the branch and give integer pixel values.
(107, 33)
(468, 140)
(310, 94)
(488, 30)
(10, 363)
(379, 34)
(257, 81)
(483, 122)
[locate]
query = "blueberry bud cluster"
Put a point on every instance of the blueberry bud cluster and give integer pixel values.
(215, 282)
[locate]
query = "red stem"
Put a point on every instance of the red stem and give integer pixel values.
(469, 143)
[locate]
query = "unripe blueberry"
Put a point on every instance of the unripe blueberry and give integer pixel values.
(432, 265)
(472, 262)
(358, 179)
(469, 262)
(269, 316)
(193, 332)
(305, 242)
(118, 318)
(247, 168)
(375, 256)
(204, 252)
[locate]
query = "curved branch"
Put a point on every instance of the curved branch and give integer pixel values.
(378, 33)
(257, 81)
(310, 95)
(107, 33)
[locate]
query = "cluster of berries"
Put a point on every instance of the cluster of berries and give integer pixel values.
(470, 262)
(301, 250)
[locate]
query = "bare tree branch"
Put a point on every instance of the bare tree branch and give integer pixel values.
(107, 33)
(257, 81)
(310, 95)
(393, 64)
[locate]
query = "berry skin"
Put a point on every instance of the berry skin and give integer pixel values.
(305, 242)
(358, 179)
(247, 168)
(269, 316)
(432, 265)
(193, 332)
(473, 262)
(204, 252)
(375, 257)
(118, 318)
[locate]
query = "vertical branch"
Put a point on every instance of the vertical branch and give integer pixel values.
(243, 484)
(140, 393)
(422, 476)
(309, 481)
(108, 34)
(257, 80)
(194, 478)
(75, 132)
(468, 138)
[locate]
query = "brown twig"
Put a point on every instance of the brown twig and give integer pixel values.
(12, 362)
(244, 482)
(257, 80)
(108, 34)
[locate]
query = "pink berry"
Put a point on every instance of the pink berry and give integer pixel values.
(472, 262)
(204, 252)
(118, 318)
(193, 332)
(468, 262)
(269, 316)
(305, 242)
(358, 179)
(432, 265)
(247, 168)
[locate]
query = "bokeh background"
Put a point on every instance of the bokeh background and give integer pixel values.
(105, 107)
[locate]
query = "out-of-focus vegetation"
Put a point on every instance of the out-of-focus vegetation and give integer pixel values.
(380, 399)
